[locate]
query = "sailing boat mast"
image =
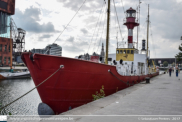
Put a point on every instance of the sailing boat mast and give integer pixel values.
(148, 31)
(138, 21)
(107, 35)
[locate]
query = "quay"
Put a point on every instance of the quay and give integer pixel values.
(162, 96)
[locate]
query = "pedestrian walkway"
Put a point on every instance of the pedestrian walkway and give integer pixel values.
(163, 96)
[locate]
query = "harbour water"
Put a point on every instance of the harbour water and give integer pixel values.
(14, 88)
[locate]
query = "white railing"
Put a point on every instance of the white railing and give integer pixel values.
(125, 20)
(127, 70)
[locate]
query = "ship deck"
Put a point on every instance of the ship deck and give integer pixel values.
(161, 97)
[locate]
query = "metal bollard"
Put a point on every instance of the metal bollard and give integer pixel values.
(147, 79)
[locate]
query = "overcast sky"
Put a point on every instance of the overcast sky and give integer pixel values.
(44, 20)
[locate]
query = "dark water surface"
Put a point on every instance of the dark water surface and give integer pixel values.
(14, 88)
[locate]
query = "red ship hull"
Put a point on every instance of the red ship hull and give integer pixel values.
(74, 85)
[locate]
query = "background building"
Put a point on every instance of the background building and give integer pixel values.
(7, 8)
(88, 57)
(54, 49)
(40, 51)
(51, 49)
(170, 61)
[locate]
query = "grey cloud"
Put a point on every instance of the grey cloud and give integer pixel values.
(45, 36)
(47, 12)
(166, 22)
(84, 31)
(72, 49)
(91, 19)
(28, 21)
(83, 43)
(78, 42)
(32, 13)
(38, 3)
(75, 4)
(75, 46)
(71, 39)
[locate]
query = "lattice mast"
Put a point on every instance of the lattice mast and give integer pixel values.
(18, 36)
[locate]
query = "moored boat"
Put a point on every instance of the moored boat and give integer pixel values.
(16, 75)
(75, 84)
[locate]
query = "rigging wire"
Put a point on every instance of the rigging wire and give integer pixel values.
(102, 31)
(98, 29)
(145, 27)
(70, 21)
(67, 25)
(96, 26)
(116, 32)
(117, 19)
(152, 39)
(61, 67)
(123, 7)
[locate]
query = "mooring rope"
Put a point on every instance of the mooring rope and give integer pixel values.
(118, 78)
(31, 89)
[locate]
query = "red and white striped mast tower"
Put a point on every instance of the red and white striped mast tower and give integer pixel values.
(130, 23)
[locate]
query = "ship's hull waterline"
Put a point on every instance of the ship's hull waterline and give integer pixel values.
(75, 84)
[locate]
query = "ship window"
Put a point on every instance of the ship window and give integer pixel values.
(124, 51)
(131, 51)
(109, 59)
(117, 51)
(121, 51)
(128, 51)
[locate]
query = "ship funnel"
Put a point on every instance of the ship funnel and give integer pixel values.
(143, 45)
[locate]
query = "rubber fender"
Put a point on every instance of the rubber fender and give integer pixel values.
(44, 109)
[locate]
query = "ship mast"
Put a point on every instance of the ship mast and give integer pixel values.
(138, 21)
(107, 35)
(148, 30)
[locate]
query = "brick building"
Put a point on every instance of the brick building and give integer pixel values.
(7, 8)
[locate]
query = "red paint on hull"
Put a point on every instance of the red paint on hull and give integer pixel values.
(74, 85)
